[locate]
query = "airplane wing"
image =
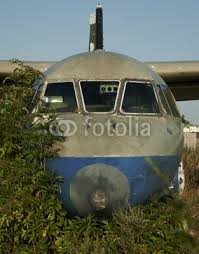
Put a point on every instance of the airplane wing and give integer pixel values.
(7, 67)
(181, 77)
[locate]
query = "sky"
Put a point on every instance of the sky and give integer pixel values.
(148, 30)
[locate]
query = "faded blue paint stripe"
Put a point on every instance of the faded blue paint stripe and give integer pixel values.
(138, 170)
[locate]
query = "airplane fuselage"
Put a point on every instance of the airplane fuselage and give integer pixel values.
(118, 150)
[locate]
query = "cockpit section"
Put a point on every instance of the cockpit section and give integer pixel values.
(106, 96)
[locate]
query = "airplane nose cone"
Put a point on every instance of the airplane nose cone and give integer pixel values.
(100, 189)
(98, 200)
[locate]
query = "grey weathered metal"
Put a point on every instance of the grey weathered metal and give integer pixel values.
(176, 70)
(181, 76)
(101, 65)
(7, 67)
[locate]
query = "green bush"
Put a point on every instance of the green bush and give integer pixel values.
(29, 208)
(154, 228)
(32, 219)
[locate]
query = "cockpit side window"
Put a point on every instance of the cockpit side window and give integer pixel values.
(60, 97)
(170, 101)
(163, 101)
(37, 83)
(139, 98)
(37, 88)
(99, 96)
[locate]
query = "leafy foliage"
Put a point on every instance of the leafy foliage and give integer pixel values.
(28, 203)
(32, 219)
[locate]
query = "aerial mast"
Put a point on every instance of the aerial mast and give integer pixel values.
(96, 29)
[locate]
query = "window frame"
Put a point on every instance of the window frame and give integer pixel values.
(99, 80)
(161, 103)
(45, 85)
(149, 82)
(34, 108)
(75, 90)
(174, 102)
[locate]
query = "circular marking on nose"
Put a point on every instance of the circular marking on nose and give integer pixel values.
(98, 187)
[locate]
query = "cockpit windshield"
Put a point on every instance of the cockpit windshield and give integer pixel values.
(60, 97)
(99, 96)
(139, 98)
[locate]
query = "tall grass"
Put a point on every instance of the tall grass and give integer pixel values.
(191, 168)
(191, 192)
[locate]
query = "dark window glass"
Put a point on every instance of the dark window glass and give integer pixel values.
(163, 100)
(99, 96)
(139, 98)
(170, 100)
(60, 97)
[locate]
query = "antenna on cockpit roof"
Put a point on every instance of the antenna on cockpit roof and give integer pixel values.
(96, 29)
